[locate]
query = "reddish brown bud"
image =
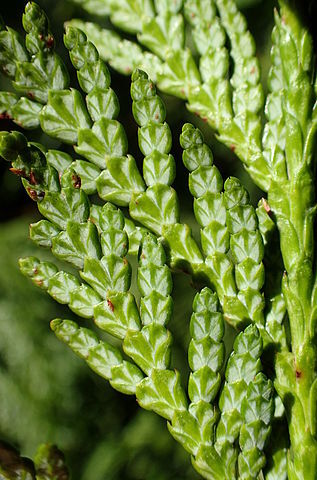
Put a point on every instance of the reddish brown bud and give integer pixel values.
(266, 207)
(110, 305)
(76, 181)
(49, 41)
(5, 116)
(298, 374)
(18, 171)
(36, 196)
(32, 179)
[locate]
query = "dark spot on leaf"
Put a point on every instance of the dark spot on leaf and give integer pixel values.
(5, 116)
(32, 193)
(49, 41)
(76, 181)
(266, 207)
(110, 305)
(298, 374)
(36, 196)
(18, 171)
(185, 271)
(32, 178)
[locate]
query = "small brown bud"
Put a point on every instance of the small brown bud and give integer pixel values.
(110, 305)
(76, 181)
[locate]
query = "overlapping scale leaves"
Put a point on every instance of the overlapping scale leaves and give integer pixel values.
(231, 106)
(212, 99)
(290, 85)
(87, 123)
(122, 54)
(161, 391)
(225, 423)
(93, 239)
(160, 28)
(157, 208)
(33, 67)
(206, 358)
(230, 237)
(99, 255)
(288, 134)
(247, 95)
(99, 251)
(245, 385)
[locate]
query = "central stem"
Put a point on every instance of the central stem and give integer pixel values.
(296, 385)
(296, 376)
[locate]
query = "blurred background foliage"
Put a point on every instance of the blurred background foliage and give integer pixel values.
(46, 394)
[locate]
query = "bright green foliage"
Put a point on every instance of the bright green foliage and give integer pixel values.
(157, 208)
(257, 410)
(243, 366)
(237, 395)
(224, 423)
(34, 67)
(99, 253)
(161, 390)
(230, 237)
(206, 358)
(230, 106)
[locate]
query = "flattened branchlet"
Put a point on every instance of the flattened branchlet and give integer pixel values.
(246, 411)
